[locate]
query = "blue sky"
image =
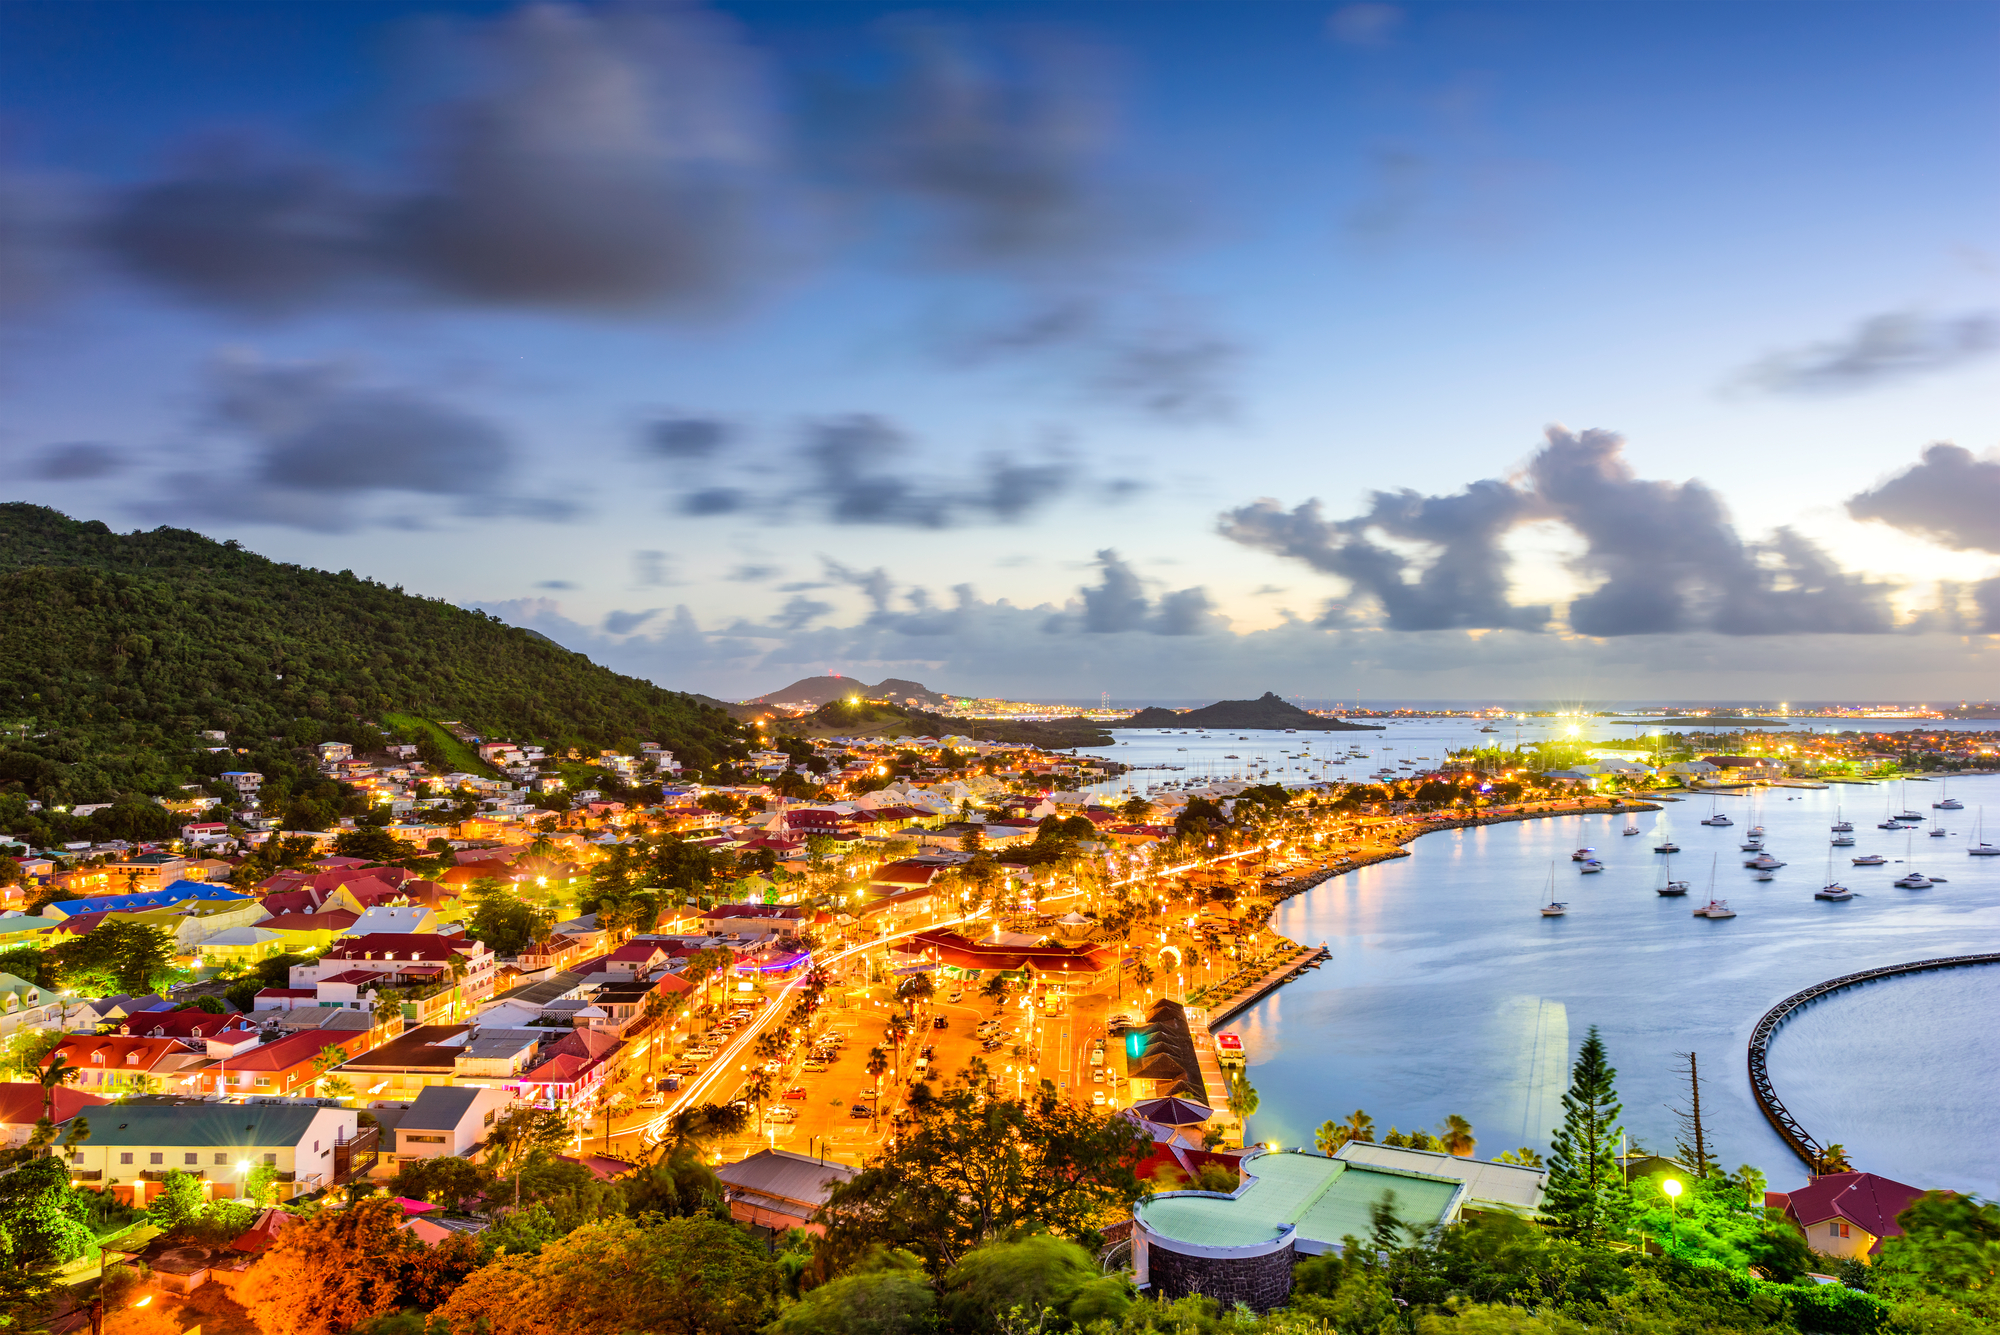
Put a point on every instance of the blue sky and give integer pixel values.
(1008, 347)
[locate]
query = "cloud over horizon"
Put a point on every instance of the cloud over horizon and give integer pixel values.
(1666, 558)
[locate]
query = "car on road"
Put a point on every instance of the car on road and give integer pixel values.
(957, 994)
(653, 1101)
(940, 1022)
(860, 1110)
(1097, 1098)
(796, 1092)
(1097, 1076)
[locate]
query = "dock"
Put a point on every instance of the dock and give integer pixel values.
(1299, 959)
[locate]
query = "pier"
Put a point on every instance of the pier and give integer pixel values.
(1775, 1112)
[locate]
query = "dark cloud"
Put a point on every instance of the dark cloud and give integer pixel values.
(1118, 603)
(1166, 365)
(1003, 148)
(311, 428)
(800, 611)
(1986, 594)
(714, 501)
(1463, 587)
(649, 568)
(312, 445)
(685, 439)
(1364, 24)
(1950, 497)
(606, 160)
(556, 584)
(758, 574)
(858, 472)
(1665, 556)
(624, 623)
(874, 583)
(1880, 349)
(238, 230)
(79, 461)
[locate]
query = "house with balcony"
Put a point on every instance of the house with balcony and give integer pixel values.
(24, 1102)
(114, 1064)
(287, 1067)
(443, 1122)
(133, 1147)
(425, 960)
(26, 1005)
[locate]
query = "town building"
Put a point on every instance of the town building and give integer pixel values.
(1846, 1215)
(134, 1147)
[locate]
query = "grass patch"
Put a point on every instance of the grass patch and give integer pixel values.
(463, 758)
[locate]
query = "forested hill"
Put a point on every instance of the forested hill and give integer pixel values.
(1266, 711)
(116, 650)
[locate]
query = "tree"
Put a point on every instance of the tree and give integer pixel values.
(443, 1180)
(44, 1221)
(886, 1293)
(1360, 1126)
(1586, 1190)
(622, 1276)
(180, 1203)
(1524, 1156)
(1456, 1136)
(1947, 1262)
(333, 1270)
(1330, 1136)
(972, 1168)
(1243, 1098)
(1692, 1145)
(56, 1072)
(1028, 1281)
(1833, 1159)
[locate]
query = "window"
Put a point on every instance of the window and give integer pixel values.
(271, 1159)
(489, 1117)
(220, 1159)
(263, 1082)
(76, 1156)
(416, 1139)
(126, 1157)
(191, 1158)
(1843, 1230)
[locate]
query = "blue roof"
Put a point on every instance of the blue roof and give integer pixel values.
(176, 893)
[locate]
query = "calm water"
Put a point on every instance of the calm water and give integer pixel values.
(1447, 992)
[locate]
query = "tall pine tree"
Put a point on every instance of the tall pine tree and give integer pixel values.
(1586, 1195)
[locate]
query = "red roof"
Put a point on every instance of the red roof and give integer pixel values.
(370, 976)
(21, 1102)
(1863, 1199)
(262, 1233)
(906, 873)
(400, 945)
(961, 953)
(284, 1053)
(111, 1053)
(288, 992)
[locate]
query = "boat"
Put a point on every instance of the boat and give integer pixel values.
(1553, 909)
(1715, 908)
(1672, 889)
(1632, 829)
(1913, 880)
(1591, 865)
(1489, 729)
(1718, 820)
(1841, 825)
(1833, 892)
(1982, 849)
(1668, 847)
(1765, 875)
(1937, 831)
(1843, 841)
(1947, 802)
(1870, 860)
(1753, 845)
(1582, 855)
(1764, 862)
(1888, 825)
(1756, 832)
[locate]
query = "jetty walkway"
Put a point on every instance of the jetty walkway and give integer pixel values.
(1780, 1118)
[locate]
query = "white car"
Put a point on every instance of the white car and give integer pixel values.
(778, 1112)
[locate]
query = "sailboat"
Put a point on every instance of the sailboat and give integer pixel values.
(1982, 849)
(1552, 909)
(1832, 890)
(1714, 908)
(1632, 829)
(1948, 803)
(1715, 818)
(1841, 825)
(1912, 879)
(1668, 887)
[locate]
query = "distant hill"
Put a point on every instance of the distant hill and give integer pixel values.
(812, 692)
(838, 718)
(118, 650)
(1266, 711)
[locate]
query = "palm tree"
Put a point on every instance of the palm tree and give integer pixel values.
(1360, 1126)
(1834, 1160)
(54, 1073)
(1456, 1136)
(1330, 1137)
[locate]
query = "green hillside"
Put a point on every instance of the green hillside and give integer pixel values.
(117, 650)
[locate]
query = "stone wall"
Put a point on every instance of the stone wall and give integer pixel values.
(1261, 1281)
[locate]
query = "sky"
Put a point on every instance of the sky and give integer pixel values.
(1170, 351)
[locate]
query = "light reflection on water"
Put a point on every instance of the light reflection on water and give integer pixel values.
(1448, 993)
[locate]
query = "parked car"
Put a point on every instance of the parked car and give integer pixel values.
(780, 1113)
(653, 1101)
(860, 1110)
(815, 1066)
(795, 1092)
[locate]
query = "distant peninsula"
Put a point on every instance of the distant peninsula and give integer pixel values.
(1266, 711)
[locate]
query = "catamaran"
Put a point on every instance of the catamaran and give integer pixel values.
(1714, 908)
(1982, 849)
(1832, 891)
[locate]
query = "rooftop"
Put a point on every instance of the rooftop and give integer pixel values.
(1324, 1199)
(218, 1125)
